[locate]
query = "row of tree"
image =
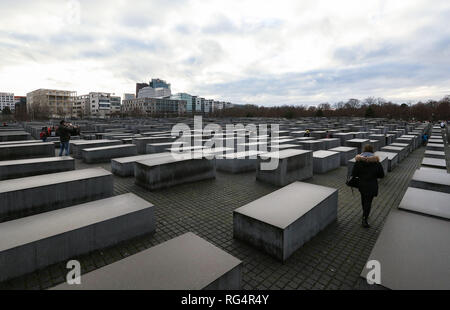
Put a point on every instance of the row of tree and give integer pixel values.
(369, 107)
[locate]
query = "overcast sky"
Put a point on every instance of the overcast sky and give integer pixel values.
(259, 52)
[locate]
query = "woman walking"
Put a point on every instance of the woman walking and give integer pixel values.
(367, 169)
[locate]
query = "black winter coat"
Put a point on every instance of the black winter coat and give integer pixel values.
(368, 173)
(64, 133)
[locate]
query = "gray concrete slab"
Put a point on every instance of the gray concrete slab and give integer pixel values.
(11, 169)
(435, 147)
(434, 163)
(428, 202)
(238, 162)
(141, 143)
(438, 180)
(33, 242)
(27, 150)
(358, 143)
(331, 142)
(168, 171)
(401, 151)
(346, 153)
(282, 221)
(77, 146)
(413, 252)
(14, 136)
(187, 262)
(324, 161)
(293, 165)
(56, 190)
(20, 142)
(435, 154)
(106, 153)
(124, 166)
(313, 145)
(392, 159)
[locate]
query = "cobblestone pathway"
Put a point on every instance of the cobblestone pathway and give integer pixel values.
(331, 260)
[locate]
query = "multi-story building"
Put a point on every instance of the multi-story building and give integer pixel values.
(154, 107)
(190, 105)
(128, 96)
(207, 106)
(115, 104)
(50, 103)
(157, 83)
(7, 100)
(150, 92)
(139, 86)
(199, 103)
(154, 83)
(20, 107)
(95, 104)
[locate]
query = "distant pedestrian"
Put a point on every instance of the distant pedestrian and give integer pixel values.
(64, 131)
(367, 170)
(307, 133)
(328, 135)
(424, 139)
(43, 135)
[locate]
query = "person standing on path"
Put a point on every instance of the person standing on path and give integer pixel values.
(64, 131)
(367, 169)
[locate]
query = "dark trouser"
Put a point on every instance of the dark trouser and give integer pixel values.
(64, 146)
(366, 200)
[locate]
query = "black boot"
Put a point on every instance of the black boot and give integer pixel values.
(365, 224)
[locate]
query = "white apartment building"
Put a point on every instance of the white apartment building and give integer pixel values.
(198, 104)
(150, 92)
(116, 104)
(94, 104)
(207, 106)
(7, 100)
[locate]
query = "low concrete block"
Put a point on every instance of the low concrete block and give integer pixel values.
(14, 136)
(331, 143)
(141, 143)
(346, 153)
(23, 151)
(281, 222)
(164, 172)
(427, 202)
(324, 161)
(11, 169)
(435, 154)
(358, 143)
(36, 194)
(187, 262)
(292, 165)
(392, 159)
(434, 163)
(410, 241)
(37, 241)
(238, 162)
(106, 153)
(77, 146)
(435, 147)
(313, 145)
(434, 180)
(401, 151)
(124, 166)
